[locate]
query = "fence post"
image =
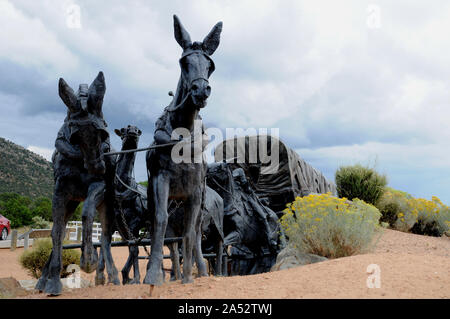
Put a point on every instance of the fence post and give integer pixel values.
(14, 240)
(78, 233)
(26, 242)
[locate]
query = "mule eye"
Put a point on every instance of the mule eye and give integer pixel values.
(194, 87)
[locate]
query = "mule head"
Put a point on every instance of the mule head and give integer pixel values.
(85, 120)
(130, 136)
(195, 62)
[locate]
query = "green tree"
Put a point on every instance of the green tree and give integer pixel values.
(16, 208)
(42, 207)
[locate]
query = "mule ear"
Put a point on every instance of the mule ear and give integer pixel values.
(212, 40)
(97, 91)
(98, 86)
(181, 35)
(67, 95)
(118, 132)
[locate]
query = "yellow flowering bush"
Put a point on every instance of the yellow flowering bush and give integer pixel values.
(328, 226)
(416, 215)
(432, 217)
(393, 206)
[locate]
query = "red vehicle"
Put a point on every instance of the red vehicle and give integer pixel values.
(5, 227)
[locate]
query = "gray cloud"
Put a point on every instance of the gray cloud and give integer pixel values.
(337, 89)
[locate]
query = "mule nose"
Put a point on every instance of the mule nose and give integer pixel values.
(201, 90)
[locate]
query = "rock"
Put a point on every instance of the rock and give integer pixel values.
(290, 257)
(10, 288)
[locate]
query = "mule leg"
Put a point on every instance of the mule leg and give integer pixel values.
(127, 267)
(68, 211)
(160, 189)
(89, 258)
(219, 257)
(107, 220)
(135, 261)
(175, 258)
(100, 274)
(198, 255)
(191, 211)
(50, 281)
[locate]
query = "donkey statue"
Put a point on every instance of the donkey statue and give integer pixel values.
(130, 204)
(81, 174)
(210, 238)
(180, 181)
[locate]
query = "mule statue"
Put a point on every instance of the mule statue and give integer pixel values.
(131, 208)
(249, 225)
(81, 174)
(130, 204)
(180, 181)
(209, 239)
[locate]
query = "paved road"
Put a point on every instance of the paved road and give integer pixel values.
(7, 243)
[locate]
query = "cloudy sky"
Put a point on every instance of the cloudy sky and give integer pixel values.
(345, 81)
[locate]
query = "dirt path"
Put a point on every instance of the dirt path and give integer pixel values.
(411, 266)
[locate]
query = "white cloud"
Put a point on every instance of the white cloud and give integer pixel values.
(28, 42)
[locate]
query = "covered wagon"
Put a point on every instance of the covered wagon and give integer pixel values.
(277, 185)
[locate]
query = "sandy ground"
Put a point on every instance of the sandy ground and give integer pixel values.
(411, 266)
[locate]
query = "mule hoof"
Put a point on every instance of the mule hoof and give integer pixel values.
(100, 280)
(187, 280)
(53, 287)
(114, 281)
(154, 275)
(40, 285)
(135, 281)
(153, 279)
(89, 262)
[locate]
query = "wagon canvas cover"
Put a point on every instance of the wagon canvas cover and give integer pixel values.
(294, 177)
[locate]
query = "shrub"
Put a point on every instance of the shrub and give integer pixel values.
(331, 227)
(360, 182)
(34, 259)
(40, 223)
(392, 204)
(416, 215)
(432, 217)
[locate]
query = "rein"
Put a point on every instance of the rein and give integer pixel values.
(142, 149)
(130, 188)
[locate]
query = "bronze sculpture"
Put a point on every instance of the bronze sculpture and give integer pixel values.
(209, 239)
(130, 205)
(81, 174)
(250, 227)
(184, 181)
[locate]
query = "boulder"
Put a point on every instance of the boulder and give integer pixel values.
(290, 257)
(10, 288)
